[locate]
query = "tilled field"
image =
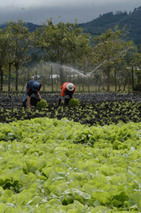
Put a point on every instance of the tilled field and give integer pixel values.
(94, 109)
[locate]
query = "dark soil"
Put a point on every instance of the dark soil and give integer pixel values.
(94, 109)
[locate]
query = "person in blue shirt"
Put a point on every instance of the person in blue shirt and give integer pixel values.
(31, 95)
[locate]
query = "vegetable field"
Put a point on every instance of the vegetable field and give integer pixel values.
(96, 109)
(53, 164)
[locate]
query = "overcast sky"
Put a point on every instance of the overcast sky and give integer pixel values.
(38, 11)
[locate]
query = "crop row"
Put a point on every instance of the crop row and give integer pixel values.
(47, 165)
(99, 113)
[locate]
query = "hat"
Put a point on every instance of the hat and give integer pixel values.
(36, 86)
(70, 86)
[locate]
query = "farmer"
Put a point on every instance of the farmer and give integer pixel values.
(67, 92)
(31, 95)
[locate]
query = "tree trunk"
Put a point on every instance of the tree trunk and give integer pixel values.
(61, 74)
(128, 83)
(79, 79)
(28, 76)
(132, 78)
(51, 72)
(119, 86)
(9, 77)
(88, 84)
(83, 88)
(125, 83)
(99, 85)
(108, 79)
(115, 80)
(1, 75)
(17, 76)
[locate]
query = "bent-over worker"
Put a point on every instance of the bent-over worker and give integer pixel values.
(31, 95)
(67, 92)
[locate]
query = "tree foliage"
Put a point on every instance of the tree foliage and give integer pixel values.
(62, 43)
(110, 48)
(19, 41)
(67, 44)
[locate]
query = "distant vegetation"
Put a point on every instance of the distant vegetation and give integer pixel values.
(105, 53)
(110, 20)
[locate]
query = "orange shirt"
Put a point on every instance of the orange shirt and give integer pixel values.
(64, 88)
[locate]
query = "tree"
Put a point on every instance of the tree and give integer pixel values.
(19, 43)
(110, 47)
(138, 70)
(3, 54)
(9, 55)
(62, 43)
(133, 59)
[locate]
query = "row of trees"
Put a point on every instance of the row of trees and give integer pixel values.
(103, 57)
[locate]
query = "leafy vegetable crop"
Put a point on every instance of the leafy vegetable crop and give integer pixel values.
(47, 165)
(99, 113)
(74, 102)
(42, 104)
(98, 109)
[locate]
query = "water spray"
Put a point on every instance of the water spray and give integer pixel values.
(74, 70)
(81, 72)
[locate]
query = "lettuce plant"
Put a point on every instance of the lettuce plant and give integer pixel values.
(42, 104)
(73, 102)
(50, 165)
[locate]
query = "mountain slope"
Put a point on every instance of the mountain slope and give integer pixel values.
(103, 23)
(109, 20)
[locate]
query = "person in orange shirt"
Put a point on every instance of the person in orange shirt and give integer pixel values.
(67, 92)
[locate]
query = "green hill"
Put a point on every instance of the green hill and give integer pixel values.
(109, 20)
